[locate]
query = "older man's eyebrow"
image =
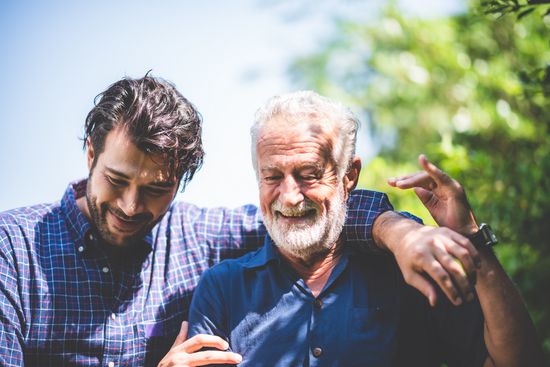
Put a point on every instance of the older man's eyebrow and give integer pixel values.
(313, 166)
(269, 168)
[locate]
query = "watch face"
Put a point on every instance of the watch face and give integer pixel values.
(489, 237)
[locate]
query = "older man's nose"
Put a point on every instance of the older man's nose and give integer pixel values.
(290, 193)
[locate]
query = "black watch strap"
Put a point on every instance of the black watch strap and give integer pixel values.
(485, 237)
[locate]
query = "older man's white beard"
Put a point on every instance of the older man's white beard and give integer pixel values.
(315, 236)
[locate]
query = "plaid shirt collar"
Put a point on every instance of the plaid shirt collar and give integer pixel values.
(82, 233)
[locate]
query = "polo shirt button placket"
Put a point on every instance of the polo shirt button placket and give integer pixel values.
(317, 352)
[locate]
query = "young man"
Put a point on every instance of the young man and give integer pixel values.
(105, 276)
(307, 298)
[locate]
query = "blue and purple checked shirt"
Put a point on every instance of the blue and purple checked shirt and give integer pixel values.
(64, 302)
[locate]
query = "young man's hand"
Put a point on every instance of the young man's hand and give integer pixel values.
(185, 353)
(435, 252)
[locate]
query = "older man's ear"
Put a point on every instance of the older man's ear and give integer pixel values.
(352, 175)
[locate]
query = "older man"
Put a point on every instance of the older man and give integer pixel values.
(306, 299)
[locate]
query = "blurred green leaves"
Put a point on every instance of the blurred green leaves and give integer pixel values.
(471, 91)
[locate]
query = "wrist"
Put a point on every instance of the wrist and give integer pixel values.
(470, 228)
(484, 237)
(379, 229)
(390, 228)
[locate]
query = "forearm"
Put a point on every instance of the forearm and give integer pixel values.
(509, 333)
(390, 228)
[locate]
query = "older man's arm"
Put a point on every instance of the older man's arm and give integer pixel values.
(509, 333)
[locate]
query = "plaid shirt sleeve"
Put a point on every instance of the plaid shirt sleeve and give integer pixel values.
(11, 341)
(229, 233)
(364, 206)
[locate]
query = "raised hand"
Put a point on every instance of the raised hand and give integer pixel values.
(443, 196)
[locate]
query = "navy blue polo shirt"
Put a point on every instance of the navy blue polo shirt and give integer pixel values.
(365, 315)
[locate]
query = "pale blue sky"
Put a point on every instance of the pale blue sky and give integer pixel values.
(226, 57)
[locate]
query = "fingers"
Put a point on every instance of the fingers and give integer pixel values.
(423, 285)
(392, 181)
(452, 262)
(452, 279)
(443, 279)
(463, 250)
(212, 357)
(202, 340)
(455, 268)
(418, 179)
(187, 352)
(428, 179)
(435, 173)
(182, 334)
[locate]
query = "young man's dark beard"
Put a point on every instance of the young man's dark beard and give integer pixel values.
(99, 221)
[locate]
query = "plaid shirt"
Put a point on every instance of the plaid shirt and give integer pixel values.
(64, 302)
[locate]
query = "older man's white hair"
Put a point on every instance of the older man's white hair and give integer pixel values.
(308, 106)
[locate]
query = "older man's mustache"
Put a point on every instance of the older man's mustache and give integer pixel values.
(306, 207)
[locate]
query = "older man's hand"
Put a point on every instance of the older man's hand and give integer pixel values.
(186, 353)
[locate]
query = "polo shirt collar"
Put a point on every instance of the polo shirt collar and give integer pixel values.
(267, 253)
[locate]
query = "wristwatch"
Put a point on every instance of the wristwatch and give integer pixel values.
(484, 237)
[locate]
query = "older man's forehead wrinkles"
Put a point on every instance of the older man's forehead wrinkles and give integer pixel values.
(316, 166)
(269, 168)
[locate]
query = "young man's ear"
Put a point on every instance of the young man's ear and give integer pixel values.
(352, 175)
(90, 152)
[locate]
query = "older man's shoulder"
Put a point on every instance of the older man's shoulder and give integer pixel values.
(238, 268)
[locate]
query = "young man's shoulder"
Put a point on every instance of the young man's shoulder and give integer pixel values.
(21, 227)
(26, 216)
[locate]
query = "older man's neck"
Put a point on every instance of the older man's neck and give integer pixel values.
(314, 271)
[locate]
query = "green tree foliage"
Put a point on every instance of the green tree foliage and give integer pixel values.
(471, 92)
(521, 8)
